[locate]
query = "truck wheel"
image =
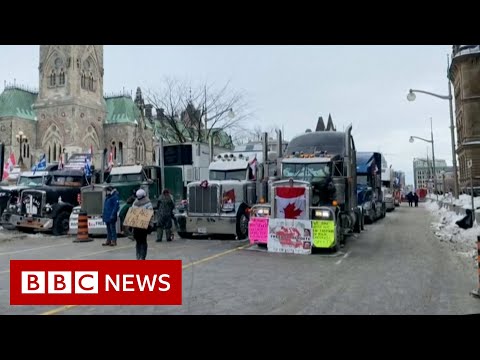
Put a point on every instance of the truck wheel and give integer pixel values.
(339, 240)
(61, 224)
(185, 235)
(242, 225)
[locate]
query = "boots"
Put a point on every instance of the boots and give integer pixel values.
(113, 243)
(107, 243)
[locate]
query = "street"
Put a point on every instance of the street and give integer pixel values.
(396, 266)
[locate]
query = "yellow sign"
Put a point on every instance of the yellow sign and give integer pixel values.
(323, 233)
(138, 218)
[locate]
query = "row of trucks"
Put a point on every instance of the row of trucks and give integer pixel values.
(319, 176)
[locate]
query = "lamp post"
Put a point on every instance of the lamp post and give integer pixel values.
(411, 97)
(21, 139)
(412, 139)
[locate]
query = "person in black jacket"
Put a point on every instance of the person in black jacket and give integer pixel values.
(415, 199)
(109, 216)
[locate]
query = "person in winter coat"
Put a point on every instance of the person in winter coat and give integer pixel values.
(410, 198)
(415, 199)
(109, 216)
(140, 235)
(164, 216)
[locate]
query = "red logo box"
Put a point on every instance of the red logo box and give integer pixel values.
(95, 282)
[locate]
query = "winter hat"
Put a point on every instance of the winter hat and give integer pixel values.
(140, 194)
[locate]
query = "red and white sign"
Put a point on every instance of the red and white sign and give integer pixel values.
(291, 202)
(95, 282)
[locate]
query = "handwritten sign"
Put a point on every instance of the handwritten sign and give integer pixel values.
(323, 233)
(290, 236)
(138, 218)
(258, 230)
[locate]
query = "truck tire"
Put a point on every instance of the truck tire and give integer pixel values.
(61, 224)
(242, 224)
(362, 221)
(339, 240)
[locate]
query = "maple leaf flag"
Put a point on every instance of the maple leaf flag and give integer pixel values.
(291, 203)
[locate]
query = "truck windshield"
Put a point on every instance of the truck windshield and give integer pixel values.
(119, 178)
(30, 181)
(66, 181)
(306, 172)
(228, 175)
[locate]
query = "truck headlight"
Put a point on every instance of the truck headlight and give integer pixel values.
(322, 214)
(48, 208)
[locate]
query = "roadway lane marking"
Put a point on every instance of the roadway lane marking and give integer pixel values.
(343, 257)
(32, 249)
(204, 260)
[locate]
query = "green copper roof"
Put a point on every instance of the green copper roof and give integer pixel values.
(121, 109)
(17, 102)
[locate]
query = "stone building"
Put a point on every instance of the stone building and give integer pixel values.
(464, 74)
(70, 114)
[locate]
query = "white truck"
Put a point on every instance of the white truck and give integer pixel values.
(220, 204)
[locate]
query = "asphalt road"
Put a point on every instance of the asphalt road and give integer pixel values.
(396, 266)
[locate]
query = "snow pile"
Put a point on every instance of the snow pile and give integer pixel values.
(464, 201)
(464, 241)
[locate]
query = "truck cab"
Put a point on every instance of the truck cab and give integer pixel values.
(318, 185)
(48, 207)
(126, 180)
(9, 195)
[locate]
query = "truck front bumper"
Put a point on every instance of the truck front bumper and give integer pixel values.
(209, 225)
(28, 222)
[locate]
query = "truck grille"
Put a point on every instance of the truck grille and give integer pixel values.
(203, 200)
(92, 202)
(32, 202)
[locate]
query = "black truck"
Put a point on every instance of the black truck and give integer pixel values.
(48, 207)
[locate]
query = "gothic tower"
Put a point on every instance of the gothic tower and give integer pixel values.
(70, 107)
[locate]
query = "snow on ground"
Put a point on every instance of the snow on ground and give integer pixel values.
(463, 200)
(445, 229)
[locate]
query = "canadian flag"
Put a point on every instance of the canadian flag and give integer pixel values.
(291, 203)
(8, 167)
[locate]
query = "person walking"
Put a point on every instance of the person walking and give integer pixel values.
(415, 199)
(109, 215)
(410, 199)
(165, 213)
(140, 235)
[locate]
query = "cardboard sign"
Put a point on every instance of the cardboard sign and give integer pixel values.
(138, 218)
(258, 230)
(290, 236)
(323, 233)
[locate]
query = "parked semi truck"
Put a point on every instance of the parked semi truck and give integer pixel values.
(369, 185)
(236, 181)
(319, 167)
(126, 180)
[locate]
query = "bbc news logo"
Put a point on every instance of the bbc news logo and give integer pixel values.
(95, 282)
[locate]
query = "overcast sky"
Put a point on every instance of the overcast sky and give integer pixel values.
(291, 86)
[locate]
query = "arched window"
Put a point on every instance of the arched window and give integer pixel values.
(49, 155)
(61, 78)
(24, 150)
(90, 82)
(83, 81)
(28, 150)
(59, 149)
(52, 78)
(120, 152)
(54, 152)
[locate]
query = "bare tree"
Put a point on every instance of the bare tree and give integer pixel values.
(195, 114)
(255, 134)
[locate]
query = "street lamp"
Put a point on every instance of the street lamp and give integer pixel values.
(412, 139)
(411, 97)
(21, 138)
